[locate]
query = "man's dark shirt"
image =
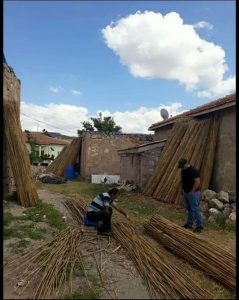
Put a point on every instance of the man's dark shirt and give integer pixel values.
(188, 175)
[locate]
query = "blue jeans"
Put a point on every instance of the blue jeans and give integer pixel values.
(192, 201)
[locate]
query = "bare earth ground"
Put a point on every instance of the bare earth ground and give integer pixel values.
(120, 276)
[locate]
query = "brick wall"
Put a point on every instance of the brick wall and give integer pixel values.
(11, 90)
(99, 152)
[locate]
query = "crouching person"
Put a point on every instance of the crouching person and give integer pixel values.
(100, 209)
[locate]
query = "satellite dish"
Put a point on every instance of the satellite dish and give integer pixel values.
(164, 113)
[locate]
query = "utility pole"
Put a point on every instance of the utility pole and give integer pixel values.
(37, 126)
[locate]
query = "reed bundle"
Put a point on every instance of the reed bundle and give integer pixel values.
(205, 255)
(52, 264)
(68, 156)
(162, 277)
(169, 149)
(193, 140)
(18, 154)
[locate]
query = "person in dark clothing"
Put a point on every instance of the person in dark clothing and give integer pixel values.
(191, 193)
(100, 209)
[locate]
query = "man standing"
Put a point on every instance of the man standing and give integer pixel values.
(100, 209)
(191, 193)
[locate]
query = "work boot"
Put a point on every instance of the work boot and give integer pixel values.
(186, 226)
(198, 229)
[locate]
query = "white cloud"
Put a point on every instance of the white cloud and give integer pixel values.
(69, 117)
(55, 90)
(75, 92)
(203, 24)
(155, 46)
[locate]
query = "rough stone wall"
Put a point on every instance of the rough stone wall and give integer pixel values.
(224, 172)
(139, 167)
(99, 152)
(11, 89)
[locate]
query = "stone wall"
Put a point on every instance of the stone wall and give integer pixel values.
(224, 172)
(99, 152)
(11, 90)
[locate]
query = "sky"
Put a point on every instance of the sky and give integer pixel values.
(126, 59)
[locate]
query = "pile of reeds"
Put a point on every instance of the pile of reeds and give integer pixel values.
(51, 266)
(189, 139)
(77, 208)
(162, 277)
(17, 152)
(68, 156)
(205, 255)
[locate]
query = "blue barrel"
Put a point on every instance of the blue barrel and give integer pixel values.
(69, 173)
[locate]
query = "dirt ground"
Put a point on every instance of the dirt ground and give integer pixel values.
(120, 276)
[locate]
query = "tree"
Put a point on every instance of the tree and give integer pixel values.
(106, 124)
(34, 156)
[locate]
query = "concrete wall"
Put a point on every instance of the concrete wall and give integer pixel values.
(224, 172)
(47, 149)
(139, 167)
(163, 132)
(99, 152)
(11, 91)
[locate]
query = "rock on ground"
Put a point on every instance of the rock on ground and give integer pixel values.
(208, 195)
(215, 203)
(214, 212)
(232, 217)
(223, 197)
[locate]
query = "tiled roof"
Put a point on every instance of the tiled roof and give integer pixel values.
(214, 105)
(42, 139)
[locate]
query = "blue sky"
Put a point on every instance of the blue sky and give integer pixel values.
(69, 69)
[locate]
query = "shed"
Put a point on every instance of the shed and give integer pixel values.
(137, 163)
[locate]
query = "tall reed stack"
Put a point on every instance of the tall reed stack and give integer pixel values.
(194, 140)
(205, 255)
(68, 156)
(15, 144)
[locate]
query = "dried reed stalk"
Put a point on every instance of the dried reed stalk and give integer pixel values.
(205, 255)
(68, 156)
(18, 154)
(208, 159)
(162, 277)
(166, 155)
(51, 264)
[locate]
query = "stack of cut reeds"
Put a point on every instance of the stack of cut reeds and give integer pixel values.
(51, 265)
(189, 139)
(17, 152)
(68, 156)
(205, 255)
(162, 277)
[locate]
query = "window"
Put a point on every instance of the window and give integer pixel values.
(42, 152)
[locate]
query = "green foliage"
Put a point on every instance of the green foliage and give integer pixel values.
(23, 231)
(106, 124)
(34, 156)
(221, 224)
(53, 216)
(7, 218)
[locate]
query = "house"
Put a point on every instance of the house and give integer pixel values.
(45, 145)
(58, 135)
(224, 170)
(137, 163)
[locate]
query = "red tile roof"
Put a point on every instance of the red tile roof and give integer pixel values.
(214, 105)
(42, 139)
